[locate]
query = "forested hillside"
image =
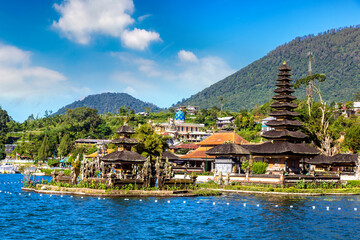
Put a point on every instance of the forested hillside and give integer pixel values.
(336, 53)
(110, 102)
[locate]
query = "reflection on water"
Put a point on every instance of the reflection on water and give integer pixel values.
(263, 217)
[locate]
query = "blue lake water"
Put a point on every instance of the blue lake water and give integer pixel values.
(263, 217)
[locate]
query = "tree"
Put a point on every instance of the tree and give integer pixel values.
(81, 122)
(312, 84)
(150, 143)
(4, 119)
(357, 96)
(222, 101)
(319, 125)
(352, 139)
(64, 147)
(44, 151)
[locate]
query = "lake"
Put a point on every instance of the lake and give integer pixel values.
(230, 216)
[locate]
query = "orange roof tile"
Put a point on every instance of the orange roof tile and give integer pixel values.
(93, 155)
(222, 137)
(199, 153)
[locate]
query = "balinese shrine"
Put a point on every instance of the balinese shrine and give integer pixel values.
(124, 160)
(286, 150)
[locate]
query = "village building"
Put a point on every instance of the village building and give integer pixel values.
(88, 142)
(181, 131)
(191, 110)
(337, 163)
(183, 148)
(264, 127)
(225, 122)
(199, 160)
(228, 158)
(285, 151)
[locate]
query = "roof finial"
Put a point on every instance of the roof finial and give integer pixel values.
(284, 63)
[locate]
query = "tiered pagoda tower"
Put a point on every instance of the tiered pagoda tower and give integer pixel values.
(124, 159)
(285, 149)
(285, 125)
(124, 142)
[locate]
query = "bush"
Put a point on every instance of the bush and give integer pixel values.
(353, 183)
(259, 167)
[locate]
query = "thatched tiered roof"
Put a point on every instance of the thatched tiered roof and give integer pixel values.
(336, 159)
(125, 141)
(228, 149)
(123, 156)
(282, 148)
(286, 137)
(285, 126)
(170, 156)
(125, 130)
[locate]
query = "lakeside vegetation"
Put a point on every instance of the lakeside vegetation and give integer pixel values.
(53, 136)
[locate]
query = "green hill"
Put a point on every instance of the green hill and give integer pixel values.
(110, 102)
(336, 53)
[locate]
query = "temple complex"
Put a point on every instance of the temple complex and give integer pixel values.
(181, 131)
(124, 159)
(286, 148)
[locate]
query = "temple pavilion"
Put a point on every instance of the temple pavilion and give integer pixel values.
(285, 149)
(199, 160)
(124, 159)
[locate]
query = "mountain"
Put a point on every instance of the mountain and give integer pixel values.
(336, 53)
(110, 102)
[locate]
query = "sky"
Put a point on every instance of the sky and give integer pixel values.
(55, 52)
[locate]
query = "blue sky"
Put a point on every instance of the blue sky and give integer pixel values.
(55, 52)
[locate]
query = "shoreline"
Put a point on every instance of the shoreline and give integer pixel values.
(116, 193)
(163, 193)
(281, 193)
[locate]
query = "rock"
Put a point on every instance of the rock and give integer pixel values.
(44, 188)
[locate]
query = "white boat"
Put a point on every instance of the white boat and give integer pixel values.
(7, 169)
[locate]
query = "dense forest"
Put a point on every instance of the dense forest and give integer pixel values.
(110, 102)
(336, 53)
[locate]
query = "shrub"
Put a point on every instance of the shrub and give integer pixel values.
(259, 167)
(353, 183)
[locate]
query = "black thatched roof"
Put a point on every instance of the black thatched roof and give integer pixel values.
(123, 157)
(285, 123)
(125, 129)
(284, 97)
(284, 113)
(283, 105)
(128, 141)
(284, 67)
(273, 134)
(284, 84)
(284, 78)
(284, 74)
(338, 158)
(284, 90)
(170, 156)
(282, 148)
(227, 149)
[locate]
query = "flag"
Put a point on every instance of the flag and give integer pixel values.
(17, 154)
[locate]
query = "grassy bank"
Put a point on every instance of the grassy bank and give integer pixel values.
(49, 171)
(53, 189)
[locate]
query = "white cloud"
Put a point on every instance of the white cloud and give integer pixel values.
(139, 38)
(19, 80)
(185, 77)
(130, 91)
(187, 56)
(142, 18)
(10, 55)
(208, 71)
(82, 19)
